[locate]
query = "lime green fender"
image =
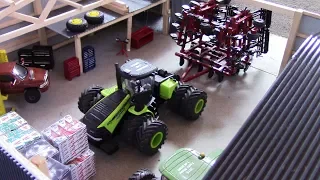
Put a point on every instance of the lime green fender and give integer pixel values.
(143, 111)
(167, 88)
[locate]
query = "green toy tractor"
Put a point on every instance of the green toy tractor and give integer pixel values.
(185, 163)
(129, 110)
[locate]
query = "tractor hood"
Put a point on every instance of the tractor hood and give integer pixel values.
(188, 164)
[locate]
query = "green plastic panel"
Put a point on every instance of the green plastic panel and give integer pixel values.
(167, 87)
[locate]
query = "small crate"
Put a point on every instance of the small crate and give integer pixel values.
(71, 68)
(141, 37)
(88, 58)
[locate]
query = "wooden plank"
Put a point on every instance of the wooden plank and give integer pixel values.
(311, 14)
(47, 9)
(305, 36)
(42, 36)
(71, 3)
(24, 17)
(277, 8)
(78, 51)
(14, 7)
(165, 15)
(129, 32)
(24, 41)
(37, 7)
(32, 27)
(117, 7)
(290, 43)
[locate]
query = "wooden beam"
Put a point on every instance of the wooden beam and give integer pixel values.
(14, 7)
(47, 9)
(59, 45)
(24, 17)
(7, 2)
(129, 32)
(72, 3)
(52, 20)
(117, 7)
(165, 15)
(311, 14)
(78, 50)
(305, 36)
(292, 36)
(277, 8)
(37, 7)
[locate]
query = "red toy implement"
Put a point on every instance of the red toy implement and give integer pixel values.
(219, 38)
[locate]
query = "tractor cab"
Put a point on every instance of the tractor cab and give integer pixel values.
(137, 77)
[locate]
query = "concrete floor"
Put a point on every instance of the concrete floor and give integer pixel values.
(229, 102)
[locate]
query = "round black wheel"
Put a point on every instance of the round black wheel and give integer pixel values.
(96, 99)
(181, 63)
(87, 96)
(151, 136)
(226, 2)
(143, 174)
(246, 67)
(176, 99)
(210, 73)
(252, 36)
(194, 102)
(220, 76)
(77, 25)
(130, 127)
(32, 95)
(259, 23)
(94, 17)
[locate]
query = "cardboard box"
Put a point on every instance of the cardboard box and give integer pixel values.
(83, 167)
(21, 137)
(69, 136)
(40, 147)
(10, 121)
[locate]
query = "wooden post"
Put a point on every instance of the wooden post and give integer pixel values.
(165, 15)
(129, 32)
(37, 6)
(78, 51)
(291, 40)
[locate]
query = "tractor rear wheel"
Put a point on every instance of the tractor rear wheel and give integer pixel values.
(175, 102)
(151, 136)
(87, 96)
(193, 103)
(130, 127)
(143, 174)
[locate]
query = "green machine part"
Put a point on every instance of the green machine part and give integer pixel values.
(143, 111)
(188, 164)
(107, 92)
(167, 88)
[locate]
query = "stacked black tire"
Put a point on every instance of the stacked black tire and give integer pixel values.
(89, 97)
(188, 101)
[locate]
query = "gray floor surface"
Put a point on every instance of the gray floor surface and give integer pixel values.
(229, 103)
(281, 24)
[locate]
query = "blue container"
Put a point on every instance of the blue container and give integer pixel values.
(88, 58)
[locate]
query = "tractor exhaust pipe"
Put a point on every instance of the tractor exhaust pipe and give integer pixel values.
(118, 76)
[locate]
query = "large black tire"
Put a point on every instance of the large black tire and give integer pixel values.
(96, 99)
(32, 95)
(143, 174)
(94, 17)
(77, 25)
(175, 101)
(193, 103)
(259, 23)
(87, 96)
(151, 136)
(130, 127)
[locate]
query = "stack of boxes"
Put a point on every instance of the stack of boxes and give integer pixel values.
(69, 137)
(29, 142)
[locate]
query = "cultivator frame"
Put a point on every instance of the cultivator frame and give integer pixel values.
(219, 39)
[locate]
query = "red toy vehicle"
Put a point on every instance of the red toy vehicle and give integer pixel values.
(15, 78)
(220, 39)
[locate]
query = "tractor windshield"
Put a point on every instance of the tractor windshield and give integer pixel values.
(139, 86)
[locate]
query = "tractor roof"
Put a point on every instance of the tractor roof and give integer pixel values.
(137, 69)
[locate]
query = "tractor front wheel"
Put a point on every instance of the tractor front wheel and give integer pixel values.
(143, 174)
(193, 103)
(151, 136)
(87, 96)
(131, 126)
